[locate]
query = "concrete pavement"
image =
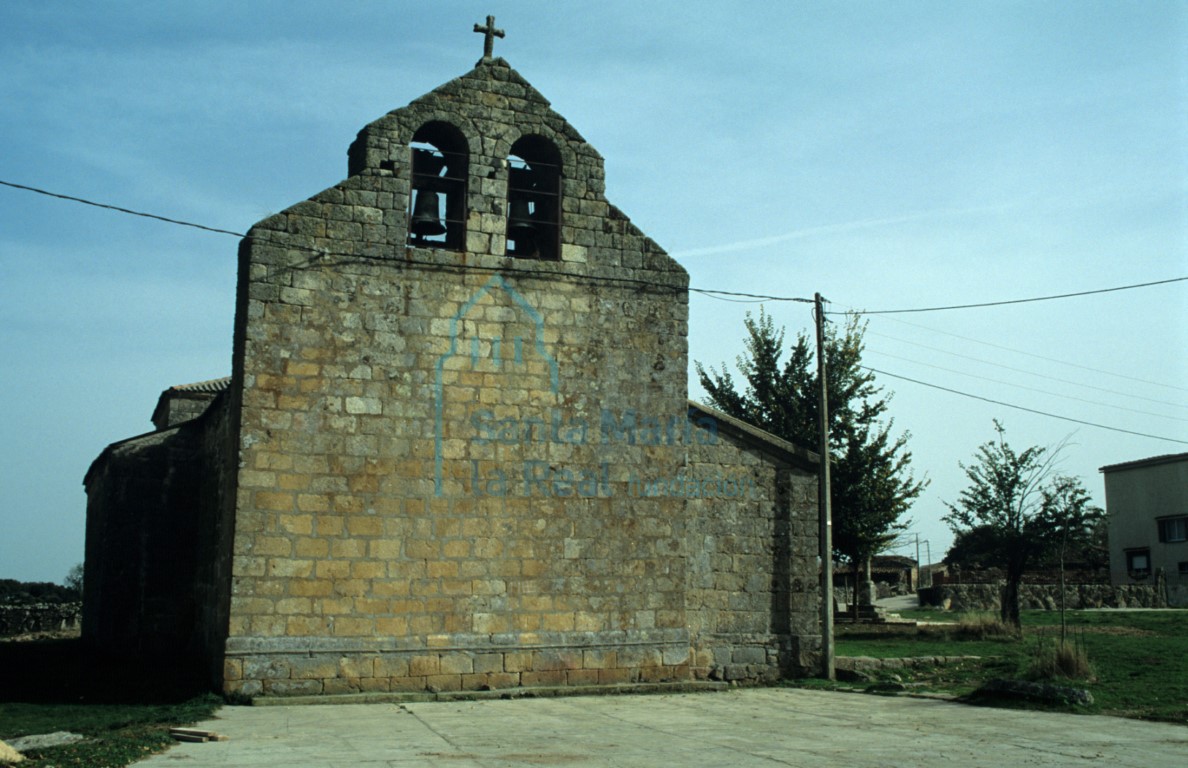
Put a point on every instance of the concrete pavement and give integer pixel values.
(737, 728)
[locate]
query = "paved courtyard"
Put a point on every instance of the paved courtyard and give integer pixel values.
(752, 727)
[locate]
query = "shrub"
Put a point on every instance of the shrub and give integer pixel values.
(983, 626)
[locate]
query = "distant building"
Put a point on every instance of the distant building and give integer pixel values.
(1147, 503)
(899, 573)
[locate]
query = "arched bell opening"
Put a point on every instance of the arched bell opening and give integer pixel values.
(437, 205)
(534, 199)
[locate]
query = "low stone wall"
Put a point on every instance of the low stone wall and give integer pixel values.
(23, 619)
(869, 664)
(1043, 597)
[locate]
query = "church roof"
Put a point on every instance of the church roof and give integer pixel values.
(758, 437)
(213, 386)
(198, 390)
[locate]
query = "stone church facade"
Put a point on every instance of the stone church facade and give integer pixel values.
(455, 450)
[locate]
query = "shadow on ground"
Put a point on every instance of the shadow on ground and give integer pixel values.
(68, 671)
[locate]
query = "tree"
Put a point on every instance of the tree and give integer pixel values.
(975, 549)
(1071, 521)
(872, 482)
(1016, 509)
(74, 580)
(1084, 546)
(20, 592)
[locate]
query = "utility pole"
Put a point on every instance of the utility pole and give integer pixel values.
(919, 570)
(921, 567)
(825, 509)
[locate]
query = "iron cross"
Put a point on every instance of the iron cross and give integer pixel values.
(490, 33)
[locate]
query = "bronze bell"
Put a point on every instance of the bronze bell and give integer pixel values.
(426, 221)
(519, 222)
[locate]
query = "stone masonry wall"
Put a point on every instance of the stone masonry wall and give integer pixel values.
(443, 452)
(752, 592)
(140, 557)
(24, 618)
(215, 531)
(1043, 597)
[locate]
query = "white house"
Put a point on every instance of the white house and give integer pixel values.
(1147, 503)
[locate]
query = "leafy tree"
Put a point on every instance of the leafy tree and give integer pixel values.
(975, 549)
(1016, 509)
(872, 483)
(1084, 545)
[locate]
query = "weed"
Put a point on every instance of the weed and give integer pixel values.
(1059, 659)
(983, 626)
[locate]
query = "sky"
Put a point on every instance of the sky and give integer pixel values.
(888, 156)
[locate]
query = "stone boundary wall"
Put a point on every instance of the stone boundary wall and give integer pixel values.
(39, 617)
(1043, 597)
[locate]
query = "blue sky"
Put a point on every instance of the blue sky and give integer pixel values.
(889, 156)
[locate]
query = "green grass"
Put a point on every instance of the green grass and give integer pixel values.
(117, 734)
(1139, 658)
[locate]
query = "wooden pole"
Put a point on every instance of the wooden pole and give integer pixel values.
(824, 507)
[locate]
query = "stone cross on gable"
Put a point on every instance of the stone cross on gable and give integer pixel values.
(490, 33)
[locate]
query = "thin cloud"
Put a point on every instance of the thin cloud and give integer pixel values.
(832, 229)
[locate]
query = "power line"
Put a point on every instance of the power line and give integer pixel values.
(1024, 408)
(1039, 357)
(118, 209)
(712, 293)
(1029, 389)
(752, 297)
(1026, 372)
(537, 272)
(1014, 301)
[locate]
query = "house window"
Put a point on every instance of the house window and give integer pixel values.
(437, 205)
(1173, 529)
(534, 199)
(1138, 563)
(1184, 567)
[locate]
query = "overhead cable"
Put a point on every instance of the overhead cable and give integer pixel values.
(118, 209)
(1038, 357)
(320, 253)
(1013, 301)
(1027, 372)
(1029, 389)
(1024, 408)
